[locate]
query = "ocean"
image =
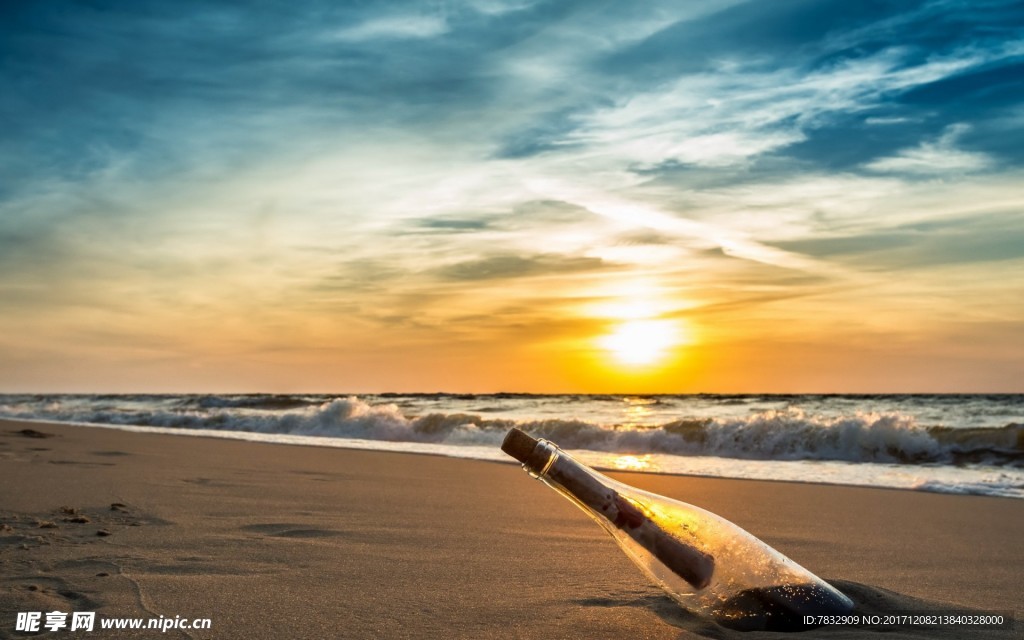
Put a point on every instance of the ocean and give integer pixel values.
(961, 444)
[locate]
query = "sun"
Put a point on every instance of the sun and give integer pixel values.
(641, 342)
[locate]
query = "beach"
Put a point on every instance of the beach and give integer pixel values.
(273, 540)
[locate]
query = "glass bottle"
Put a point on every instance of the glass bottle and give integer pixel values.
(707, 564)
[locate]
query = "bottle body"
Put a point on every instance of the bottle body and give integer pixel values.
(707, 564)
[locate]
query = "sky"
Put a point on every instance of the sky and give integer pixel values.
(717, 196)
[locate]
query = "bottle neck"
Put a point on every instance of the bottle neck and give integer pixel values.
(545, 461)
(541, 460)
(598, 496)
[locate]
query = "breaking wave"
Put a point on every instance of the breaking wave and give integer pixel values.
(788, 434)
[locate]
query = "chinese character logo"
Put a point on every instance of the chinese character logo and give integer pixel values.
(28, 621)
(83, 620)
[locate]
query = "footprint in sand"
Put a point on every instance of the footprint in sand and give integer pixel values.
(45, 593)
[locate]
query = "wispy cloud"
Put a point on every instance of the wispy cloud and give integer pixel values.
(937, 157)
(738, 111)
(395, 28)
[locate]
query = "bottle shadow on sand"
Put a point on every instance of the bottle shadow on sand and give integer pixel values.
(869, 602)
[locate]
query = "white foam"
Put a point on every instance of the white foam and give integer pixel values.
(951, 480)
(867, 448)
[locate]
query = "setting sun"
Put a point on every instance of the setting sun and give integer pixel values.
(641, 342)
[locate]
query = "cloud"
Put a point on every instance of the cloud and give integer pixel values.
(395, 28)
(738, 111)
(643, 216)
(980, 238)
(447, 225)
(499, 7)
(500, 267)
(938, 157)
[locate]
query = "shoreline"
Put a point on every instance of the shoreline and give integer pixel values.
(256, 537)
(416, 448)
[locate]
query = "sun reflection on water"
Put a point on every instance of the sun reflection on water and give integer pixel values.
(638, 412)
(632, 463)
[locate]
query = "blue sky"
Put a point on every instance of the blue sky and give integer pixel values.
(808, 195)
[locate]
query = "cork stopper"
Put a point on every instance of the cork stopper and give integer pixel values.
(518, 445)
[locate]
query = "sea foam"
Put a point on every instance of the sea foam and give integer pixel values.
(783, 435)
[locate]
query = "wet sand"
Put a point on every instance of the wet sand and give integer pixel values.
(274, 541)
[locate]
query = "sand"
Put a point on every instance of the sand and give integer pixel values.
(276, 541)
